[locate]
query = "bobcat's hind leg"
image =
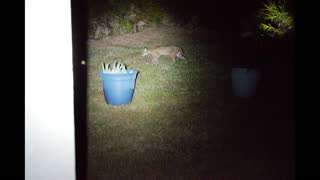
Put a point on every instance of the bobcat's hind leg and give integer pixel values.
(173, 57)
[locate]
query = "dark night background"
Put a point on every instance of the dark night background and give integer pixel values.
(218, 14)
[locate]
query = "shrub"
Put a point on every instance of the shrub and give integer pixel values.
(276, 20)
(126, 23)
(153, 12)
(117, 67)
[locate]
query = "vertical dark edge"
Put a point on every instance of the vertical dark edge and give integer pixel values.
(79, 35)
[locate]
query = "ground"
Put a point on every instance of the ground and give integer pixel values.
(184, 121)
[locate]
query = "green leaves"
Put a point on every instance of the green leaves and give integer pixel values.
(153, 11)
(128, 26)
(276, 19)
(116, 68)
(268, 27)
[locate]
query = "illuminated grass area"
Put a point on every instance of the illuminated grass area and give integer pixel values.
(175, 126)
(175, 109)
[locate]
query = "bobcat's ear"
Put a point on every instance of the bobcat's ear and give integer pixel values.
(145, 49)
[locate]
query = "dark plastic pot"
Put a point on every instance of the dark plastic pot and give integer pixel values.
(118, 88)
(245, 81)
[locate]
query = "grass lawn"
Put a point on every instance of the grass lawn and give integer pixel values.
(182, 122)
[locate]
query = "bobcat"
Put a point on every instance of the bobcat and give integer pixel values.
(173, 51)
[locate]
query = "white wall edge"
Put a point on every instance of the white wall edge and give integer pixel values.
(49, 123)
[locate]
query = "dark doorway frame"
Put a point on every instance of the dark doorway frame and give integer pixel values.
(79, 50)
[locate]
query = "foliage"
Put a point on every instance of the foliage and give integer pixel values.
(119, 7)
(118, 19)
(127, 24)
(153, 12)
(276, 20)
(116, 68)
(96, 22)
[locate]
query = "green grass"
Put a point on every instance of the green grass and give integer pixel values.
(183, 122)
(175, 110)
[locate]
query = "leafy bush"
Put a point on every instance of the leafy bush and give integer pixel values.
(98, 26)
(119, 18)
(127, 24)
(276, 20)
(116, 68)
(153, 12)
(119, 7)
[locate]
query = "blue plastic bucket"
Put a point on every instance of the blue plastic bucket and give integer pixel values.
(118, 88)
(244, 81)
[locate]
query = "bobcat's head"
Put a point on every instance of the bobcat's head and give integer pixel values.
(145, 52)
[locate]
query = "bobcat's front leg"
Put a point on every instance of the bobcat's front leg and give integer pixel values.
(156, 59)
